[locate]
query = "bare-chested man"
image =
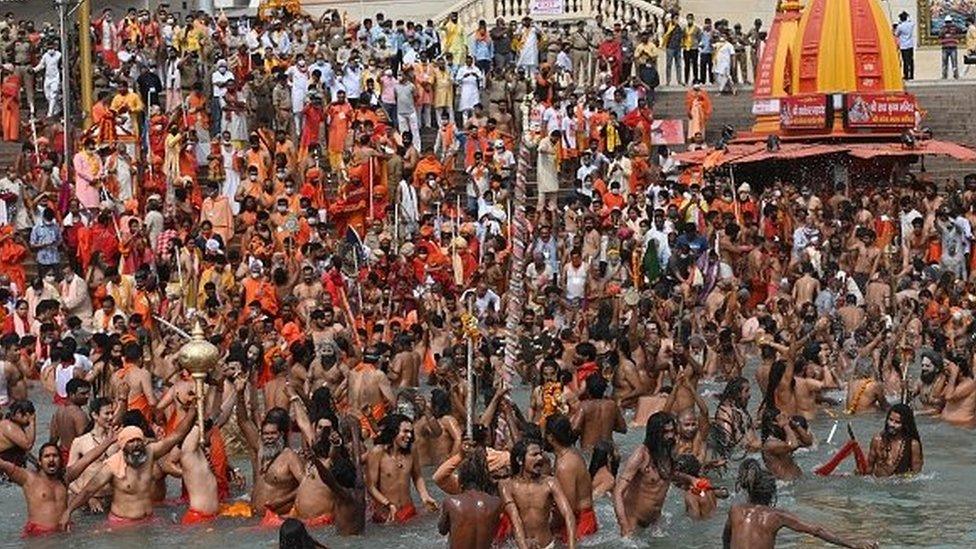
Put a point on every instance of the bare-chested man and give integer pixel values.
(754, 525)
(897, 449)
(470, 518)
(102, 412)
(438, 429)
(18, 432)
(130, 471)
(781, 436)
(572, 473)
(864, 391)
(308, 291)
(692, 424)
(597, 417)
(134, 381)
(369, 388)
(277, 469)
(390, 467)
(315, 501)
(199, 480)
(533, 499)
(806, 288)
(46, 490)
(70, 420)
(643, 482)
(404, 369)
(960, 394)
(10, 367)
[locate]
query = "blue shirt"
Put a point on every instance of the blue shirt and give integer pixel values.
(705, 42)
(48, 237)
(482, 50)
(905, 32)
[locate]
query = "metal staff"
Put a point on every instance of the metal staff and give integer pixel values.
(472, 332)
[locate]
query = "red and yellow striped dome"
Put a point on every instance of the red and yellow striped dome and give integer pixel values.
(844, 46)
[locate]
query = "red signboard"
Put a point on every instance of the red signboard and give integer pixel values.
(880, 110)
(807, 112)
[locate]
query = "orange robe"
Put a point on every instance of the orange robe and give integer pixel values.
(12, 256)
(10, 119)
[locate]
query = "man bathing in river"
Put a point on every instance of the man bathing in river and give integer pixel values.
(754, 525)
(130, 473)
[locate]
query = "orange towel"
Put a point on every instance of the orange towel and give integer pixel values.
(271, 519)
(321, 520)
(34, 530)
(115, 521)
(403, 514)
(238, 509)
(141, 403)
(586, 525)
(193, 516)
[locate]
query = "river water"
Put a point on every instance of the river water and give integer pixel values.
(931, 510)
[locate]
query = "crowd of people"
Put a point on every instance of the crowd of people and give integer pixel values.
(338, 205)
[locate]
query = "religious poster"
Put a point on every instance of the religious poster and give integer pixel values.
(803, 112)
(667, 132)
(932, 15)
(880, 110)
(546, 7)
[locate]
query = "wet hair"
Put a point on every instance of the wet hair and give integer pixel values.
(96, 404)
(294, 535)
(776, 373)
(768, 425)
(604, 456)
(132, 351)
(596, 386)
(279, 417)
(473, 472)
(687, 464)
(560, 429)
(390, 428)
(519, 449)
(654, 439)
(908, 426)
(76, 384)
(733, 390)
(344, 471)
(440, 403)
(759, 484)
(20, 407)
(40, 451)
(321, 405)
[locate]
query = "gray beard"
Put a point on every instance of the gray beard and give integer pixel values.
(270, 452)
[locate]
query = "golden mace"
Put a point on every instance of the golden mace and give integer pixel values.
(199, 356)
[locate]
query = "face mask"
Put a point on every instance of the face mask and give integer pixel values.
(222, 70)
(282, 209)
(301, 63)
(253, 177)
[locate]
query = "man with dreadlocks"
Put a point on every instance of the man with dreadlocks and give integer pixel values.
(754, 525)
(391, 466)
(733, 425)
(897, 449)
(533, 499)
(781, 436)
(470, 518)
(643, 483)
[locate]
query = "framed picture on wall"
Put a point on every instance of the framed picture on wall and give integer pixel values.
(932, 15)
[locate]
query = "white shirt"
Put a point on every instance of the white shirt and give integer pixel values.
(219, 79)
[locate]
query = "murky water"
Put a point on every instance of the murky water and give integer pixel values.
(932, 510)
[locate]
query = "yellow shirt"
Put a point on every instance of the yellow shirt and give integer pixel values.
(646, 52)
(690, 39)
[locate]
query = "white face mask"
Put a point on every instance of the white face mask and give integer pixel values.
(222, 70)
(252, 177)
